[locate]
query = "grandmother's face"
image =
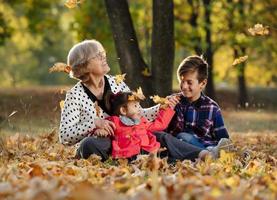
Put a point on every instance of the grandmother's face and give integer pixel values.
(98, 64)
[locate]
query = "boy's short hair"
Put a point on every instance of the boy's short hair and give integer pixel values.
(192, 64)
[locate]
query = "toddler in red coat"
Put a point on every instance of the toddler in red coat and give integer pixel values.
(134, 133)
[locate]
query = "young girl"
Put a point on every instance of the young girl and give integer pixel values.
(133, 133)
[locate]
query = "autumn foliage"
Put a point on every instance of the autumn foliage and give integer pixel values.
(39, 167)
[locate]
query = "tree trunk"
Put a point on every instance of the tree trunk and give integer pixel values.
(162, 50)
(130, 59)
(209, 51)
(242, 89)
(243, 96)
(196, 39)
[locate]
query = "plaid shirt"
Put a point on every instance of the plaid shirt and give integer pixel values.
(202, 118)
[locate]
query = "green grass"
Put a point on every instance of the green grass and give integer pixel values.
(251, 121)
(38, 110)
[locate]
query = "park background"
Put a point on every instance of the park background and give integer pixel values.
(37, 34)
(147, 40)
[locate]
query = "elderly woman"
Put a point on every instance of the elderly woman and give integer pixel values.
(84, 108)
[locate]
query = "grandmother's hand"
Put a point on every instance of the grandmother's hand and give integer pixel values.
(106, 125)
(101, 133)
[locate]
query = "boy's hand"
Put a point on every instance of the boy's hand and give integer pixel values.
(173, 100)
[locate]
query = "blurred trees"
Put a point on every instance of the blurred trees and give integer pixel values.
(37, 33)
(37, 41)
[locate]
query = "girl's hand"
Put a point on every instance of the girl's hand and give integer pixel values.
(107, 125)
(173, 100)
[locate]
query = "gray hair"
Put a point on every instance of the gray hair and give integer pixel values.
(79, 56)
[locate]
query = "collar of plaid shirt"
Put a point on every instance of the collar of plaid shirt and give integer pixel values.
(196, 104)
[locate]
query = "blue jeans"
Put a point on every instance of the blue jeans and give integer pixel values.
(191, 139)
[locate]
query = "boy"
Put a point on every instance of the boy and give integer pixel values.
(198, 118)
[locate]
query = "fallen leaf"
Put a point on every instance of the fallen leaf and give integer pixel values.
(36, 170)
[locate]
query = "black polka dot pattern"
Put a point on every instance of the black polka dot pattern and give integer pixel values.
(78, 114)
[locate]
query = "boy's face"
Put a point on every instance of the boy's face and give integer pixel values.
(133, 110)
(190, 86)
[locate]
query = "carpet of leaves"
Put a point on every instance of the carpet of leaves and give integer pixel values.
(38, 167)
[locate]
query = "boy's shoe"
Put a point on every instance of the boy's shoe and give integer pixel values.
(223, 144)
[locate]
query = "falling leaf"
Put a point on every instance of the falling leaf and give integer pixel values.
(62, 91)
(259, 29)
(60, 67)
(61, 104)
(15, 111)
(73, 3)
(119, 78)
(136, 95)
(146, 72)
(240, 60)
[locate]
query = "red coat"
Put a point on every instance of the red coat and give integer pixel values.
(129, 140)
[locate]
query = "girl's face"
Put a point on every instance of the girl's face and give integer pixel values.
(98, 64)
(133, 110)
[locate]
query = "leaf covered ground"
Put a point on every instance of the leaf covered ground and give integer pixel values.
(38, 167)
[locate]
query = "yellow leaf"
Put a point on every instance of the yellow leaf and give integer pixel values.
(254, 167)
(159, 100)
(131, 98)
(259, 29)
(119, 78)
(61, 104)
(70, 171)
(60, 67)
(240, 60)
(226, 158)
(216, 192)
(73, 3)
(232, 181)
(146, 72)
(97, 109)
(138, 95)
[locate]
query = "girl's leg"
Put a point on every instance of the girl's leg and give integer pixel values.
(92, 145)
(190, 138)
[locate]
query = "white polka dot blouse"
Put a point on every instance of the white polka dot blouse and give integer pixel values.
(79, 113)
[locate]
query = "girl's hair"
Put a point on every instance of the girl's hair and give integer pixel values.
(193, 64)
(114, 102)
(79, 56)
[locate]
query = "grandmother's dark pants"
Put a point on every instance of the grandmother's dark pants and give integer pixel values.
(92, 145)
(176, 149)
